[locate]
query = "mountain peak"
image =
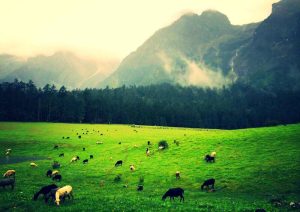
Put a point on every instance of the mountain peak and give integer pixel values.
(214, 16)
(286, 7)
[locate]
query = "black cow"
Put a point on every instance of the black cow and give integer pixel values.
(209, 182)
(174, 192)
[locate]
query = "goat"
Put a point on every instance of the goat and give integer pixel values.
(85, 161)
(119, 163)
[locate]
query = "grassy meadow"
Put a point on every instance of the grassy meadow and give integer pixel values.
(252, 166)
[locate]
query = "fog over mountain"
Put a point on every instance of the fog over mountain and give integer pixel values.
(203, 50)
(61, 68)
(208, 51)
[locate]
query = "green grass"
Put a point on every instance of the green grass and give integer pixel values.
(252, 166)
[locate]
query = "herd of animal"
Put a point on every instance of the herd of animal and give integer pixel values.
(59, 194)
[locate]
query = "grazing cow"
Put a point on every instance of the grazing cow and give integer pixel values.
(45, 191)
(209, 158)
(55, 147)
(149, 143)
(49, 173)
(174, 192)
(68, 137)
(119, 163)
(7, 182)
(9, 173)
(120, 142)
(209, 182)
(79, 136)
(57, 177)
(140, 188)
(85, 161)
(61, 155)
(83, 149)
(91, 156)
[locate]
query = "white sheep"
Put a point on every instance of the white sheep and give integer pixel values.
(7, 153)
(8, 150)
(99, 142)
(55, 172)
(213, 154)
(62, 192)
(74, 159)
(161, 147)
(9, 173)
(33, 165)
(132, 168)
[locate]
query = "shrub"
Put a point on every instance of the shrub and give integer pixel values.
(163, 143)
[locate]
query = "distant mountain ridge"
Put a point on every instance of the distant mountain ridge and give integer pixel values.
(202, 50)
(61, 68)
(207, 51)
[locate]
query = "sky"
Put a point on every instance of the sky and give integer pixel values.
(98, 28)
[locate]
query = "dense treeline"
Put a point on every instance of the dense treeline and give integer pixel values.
(237, 106)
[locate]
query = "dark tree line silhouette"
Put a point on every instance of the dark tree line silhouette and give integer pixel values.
(237, 106)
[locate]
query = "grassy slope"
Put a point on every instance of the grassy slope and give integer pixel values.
(252, 165)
